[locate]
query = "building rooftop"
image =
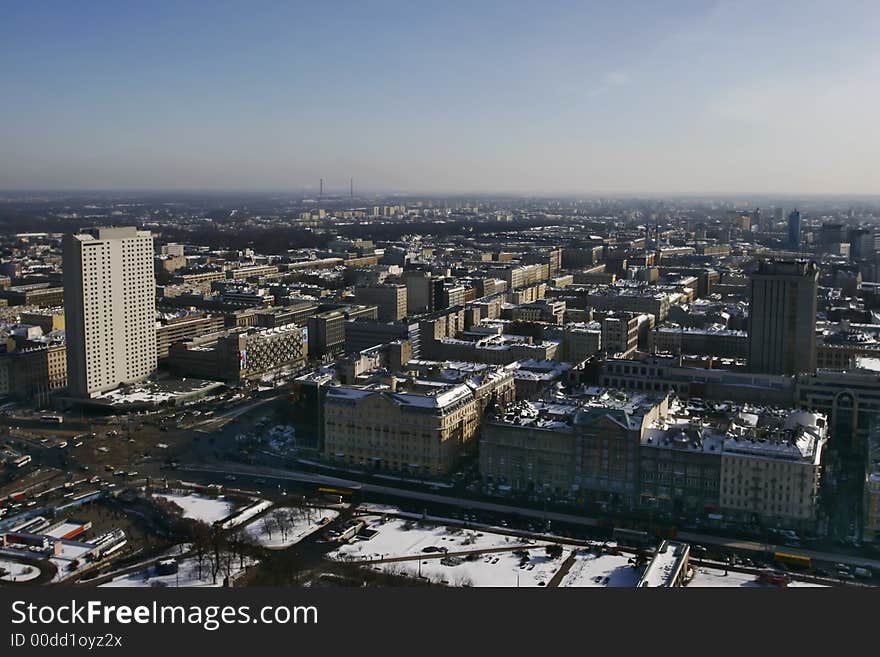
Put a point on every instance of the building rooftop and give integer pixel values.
(549, 416)
(666, 566)
(625, 408)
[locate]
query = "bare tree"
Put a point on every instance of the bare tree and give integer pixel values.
(283, 521)
(200, 535)
(293, 515)
(267, 525)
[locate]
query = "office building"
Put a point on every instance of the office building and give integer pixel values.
(389, 299)
(782, 317)
(109, 309)
(794, 230)
(364, 333)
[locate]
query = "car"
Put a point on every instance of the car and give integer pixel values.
(699, 551)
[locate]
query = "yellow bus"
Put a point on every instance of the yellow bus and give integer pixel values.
(792, 560)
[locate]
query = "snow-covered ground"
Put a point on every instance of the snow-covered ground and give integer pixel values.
(499, 569)
(17, 572)
(70, 559)
(591, 569)
(189, 574)
(282, 528)
(199, 507)
(396, 537)
(711, 577)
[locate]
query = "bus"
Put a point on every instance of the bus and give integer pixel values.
(793, 560)
(337, 495)
(51, 419)
(334, 491)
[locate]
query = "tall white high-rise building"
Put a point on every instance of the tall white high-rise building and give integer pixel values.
(109, 309)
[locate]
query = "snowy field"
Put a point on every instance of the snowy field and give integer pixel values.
(282, 528)
(499, 569)
(70, 559)
(17, 572)
(712, 578)
(189, 574)
(396, 537)
(591, 569)
(198, 507)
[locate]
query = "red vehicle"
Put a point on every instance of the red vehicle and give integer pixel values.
(775, 577)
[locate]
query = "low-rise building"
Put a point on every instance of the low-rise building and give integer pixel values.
(413, 426)
(237, 355)
(668, 567)
(771, 466)
(529, 447)
(680, 465)
(35, 294)
(172, 328)
(579, 450)
(713, 341)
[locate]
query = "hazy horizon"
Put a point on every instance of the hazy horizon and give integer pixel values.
(686, 98)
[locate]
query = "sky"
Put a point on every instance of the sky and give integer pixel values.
(483, 96)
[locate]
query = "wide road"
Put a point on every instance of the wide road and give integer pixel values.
(220, 419)
(325, 480)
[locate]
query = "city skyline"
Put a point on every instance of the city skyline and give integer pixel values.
(692, 98)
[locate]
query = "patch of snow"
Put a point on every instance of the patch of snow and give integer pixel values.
(198, 507)
(17, 572)
(282, 528)
(591, 569)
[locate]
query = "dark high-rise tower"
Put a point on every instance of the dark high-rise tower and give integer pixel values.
(794, 230)
(782, 317)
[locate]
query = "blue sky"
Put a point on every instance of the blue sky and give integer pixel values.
(484, 96)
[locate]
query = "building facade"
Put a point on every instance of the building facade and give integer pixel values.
(109, 309)
(782, 317)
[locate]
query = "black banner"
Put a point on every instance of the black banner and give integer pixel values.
(285, 621)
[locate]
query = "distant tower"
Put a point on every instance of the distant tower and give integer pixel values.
(321, 192)
(794, 230)
(351, 187)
